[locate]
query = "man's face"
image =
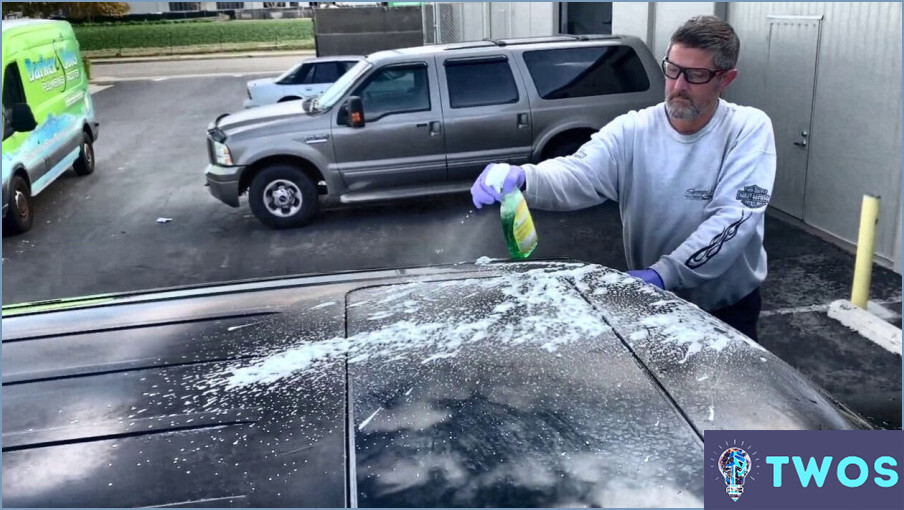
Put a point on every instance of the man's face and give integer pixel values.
(688, 101)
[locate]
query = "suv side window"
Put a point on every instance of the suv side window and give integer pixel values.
(395, 89)
(13, 93)
(582, 72)
(480, 82)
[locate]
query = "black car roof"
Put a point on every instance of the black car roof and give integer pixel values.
(529, 384)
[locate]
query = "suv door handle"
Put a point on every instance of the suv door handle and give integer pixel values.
(434, 127)
(523, 120)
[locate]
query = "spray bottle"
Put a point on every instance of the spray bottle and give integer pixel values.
(517, 224)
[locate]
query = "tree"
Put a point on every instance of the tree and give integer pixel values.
(88, 10)
(74, 10)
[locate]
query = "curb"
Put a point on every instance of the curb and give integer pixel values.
(200, 56)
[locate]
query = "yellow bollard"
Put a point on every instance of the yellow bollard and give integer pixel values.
(866, 247)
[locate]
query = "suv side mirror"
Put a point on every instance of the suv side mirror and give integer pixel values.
(21, 119)
(355, 112)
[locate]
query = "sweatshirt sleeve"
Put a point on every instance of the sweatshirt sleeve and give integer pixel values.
(586, 178)
(733, 216)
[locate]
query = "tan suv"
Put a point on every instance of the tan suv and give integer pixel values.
(423, 121)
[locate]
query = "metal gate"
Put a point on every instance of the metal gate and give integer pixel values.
(443, 22)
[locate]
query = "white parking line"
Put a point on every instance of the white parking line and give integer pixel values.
(877, 308)
(797, 309)
(182, 76)
(94, 89)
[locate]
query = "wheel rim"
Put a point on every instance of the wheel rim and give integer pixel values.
(89, 154)
(22, 208)
(282, 198)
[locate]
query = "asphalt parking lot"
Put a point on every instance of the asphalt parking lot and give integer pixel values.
(100, 234)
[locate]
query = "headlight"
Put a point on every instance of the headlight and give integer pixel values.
(222, 154)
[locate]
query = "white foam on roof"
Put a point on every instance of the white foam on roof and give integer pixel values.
(551, 314)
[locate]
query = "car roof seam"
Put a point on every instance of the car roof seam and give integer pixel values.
(657, 383)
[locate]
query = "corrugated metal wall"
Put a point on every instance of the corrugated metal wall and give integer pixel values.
(855, 138)
(522, 19)
(148, 7)
(671, 15)
(473, 21)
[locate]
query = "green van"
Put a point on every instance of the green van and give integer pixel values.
(48, 115)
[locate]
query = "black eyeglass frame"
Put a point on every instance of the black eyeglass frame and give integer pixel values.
(683, 70)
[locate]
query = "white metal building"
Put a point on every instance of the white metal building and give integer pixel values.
(827, 73)
(152, 7)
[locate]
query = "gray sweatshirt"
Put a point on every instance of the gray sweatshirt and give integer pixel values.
(692, 206)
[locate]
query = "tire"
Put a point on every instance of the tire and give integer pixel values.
(20, 214)
(84, 165)
(288, 98)
(565, 147)
(282, 196)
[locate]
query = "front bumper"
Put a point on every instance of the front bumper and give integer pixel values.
(223, 183)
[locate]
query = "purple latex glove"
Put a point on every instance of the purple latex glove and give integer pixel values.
(648, 276)
(483, 193)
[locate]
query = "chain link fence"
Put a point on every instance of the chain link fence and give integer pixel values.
(444, 22)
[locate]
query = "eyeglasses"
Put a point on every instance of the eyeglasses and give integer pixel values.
(695, 75)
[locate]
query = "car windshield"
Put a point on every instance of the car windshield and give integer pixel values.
(342, 85)
(288, 73)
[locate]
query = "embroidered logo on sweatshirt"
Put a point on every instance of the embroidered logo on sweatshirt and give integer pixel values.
(753, 196)
(705, 254)
(698, 194)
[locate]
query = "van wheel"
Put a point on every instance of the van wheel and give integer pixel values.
(282, 196)
(20, 214)
(563, 148)
(288, 98)
(84, 165)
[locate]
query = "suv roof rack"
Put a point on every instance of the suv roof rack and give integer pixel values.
(533, 40)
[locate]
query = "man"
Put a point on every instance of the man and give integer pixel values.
(692, 177)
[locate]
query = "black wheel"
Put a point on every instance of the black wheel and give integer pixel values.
(288, 98)
(282, 196)
(20, 214)
(84, 165)
(565, 147)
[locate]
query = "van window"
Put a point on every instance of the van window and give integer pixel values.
(480, 83)
(7, 127)
(12, 86)
(395, 89)
(581, 72)
(12, 93)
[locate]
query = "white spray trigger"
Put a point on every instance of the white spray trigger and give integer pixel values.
(496, 176)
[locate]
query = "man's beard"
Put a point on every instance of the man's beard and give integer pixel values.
(684, 108)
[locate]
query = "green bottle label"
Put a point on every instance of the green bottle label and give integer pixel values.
(518, 225)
